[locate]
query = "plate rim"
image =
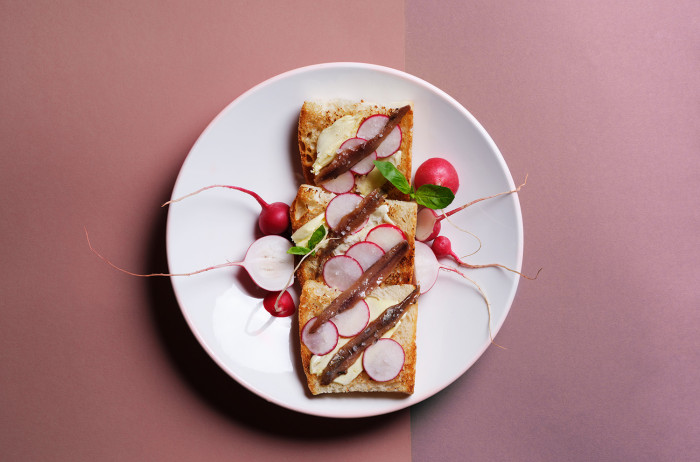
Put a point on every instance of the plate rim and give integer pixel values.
(408, 401)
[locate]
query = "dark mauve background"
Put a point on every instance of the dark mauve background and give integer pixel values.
(596, 101)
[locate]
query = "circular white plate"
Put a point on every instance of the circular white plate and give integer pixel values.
(252, 144)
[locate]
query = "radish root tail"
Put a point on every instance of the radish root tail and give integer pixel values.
(486, 299)
(444, 215)
(451, 212)
(492, 265)
(257, 197)
(106, 260)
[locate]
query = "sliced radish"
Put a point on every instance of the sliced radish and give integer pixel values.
(341, 184)
(366, 165)
(372, 126)
(268, 262)
(351, 321)
(384, 360)
(427, 225)
(366, 253)
(341, 271)
(426, 267)
(386, 236)
(323, 340)
(339, 206)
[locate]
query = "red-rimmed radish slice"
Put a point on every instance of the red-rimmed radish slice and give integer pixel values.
(366, 165)
(351, 321)
(366, 253)
(341, 271)
(339, 206)
(427, 225)
(372, 126)
(386, 236)
(340, 184)
(426, 267)
(323, 340)
(384, 360)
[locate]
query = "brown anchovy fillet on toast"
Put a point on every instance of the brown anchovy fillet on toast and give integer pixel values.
(312, 201)
(315, 116)
(314, 298)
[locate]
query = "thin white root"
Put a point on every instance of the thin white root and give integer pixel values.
(483, 294)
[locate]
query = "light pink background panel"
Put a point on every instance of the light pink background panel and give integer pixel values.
(100, 104)
(598, 103)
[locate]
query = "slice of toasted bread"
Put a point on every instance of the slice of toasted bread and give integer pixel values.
(311, 201)
(315, 116)
(315, 296)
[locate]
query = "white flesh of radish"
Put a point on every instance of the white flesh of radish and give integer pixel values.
(341, 184)
(323, 340)
(341, 271)
(340, 206)
(366, 253)
(372, 126)
(351, 321)
(384, 360)
(426, 224)
(426, 267)
(366, 165)
(386, 236)
(268, 262)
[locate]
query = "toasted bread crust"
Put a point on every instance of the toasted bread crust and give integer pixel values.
(312, 201)
(315, 116)
(315, 296)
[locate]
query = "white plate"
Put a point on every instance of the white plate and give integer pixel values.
(252, 144)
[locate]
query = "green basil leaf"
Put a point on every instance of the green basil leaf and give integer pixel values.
(434, 196)
(298, 250)
(391, 173)
(317, 237)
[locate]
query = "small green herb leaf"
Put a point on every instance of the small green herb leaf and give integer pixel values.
(434, 196)
(298, 250)
(317, 237)
(391, 173)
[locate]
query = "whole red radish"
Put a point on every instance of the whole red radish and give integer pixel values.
(438, 171)
(278, 305)
(273, 219)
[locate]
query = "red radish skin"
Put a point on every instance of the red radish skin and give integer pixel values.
(384, 360)
(339, 206)
(427, 224)
(266, 261)
(273, 219)
(372, 126)
(343, 183)
(442, 247)
(437, 171)
(386, 236)
(321, 342)
(341, 271)
(366, 253)
(279, 304)
(353, 320)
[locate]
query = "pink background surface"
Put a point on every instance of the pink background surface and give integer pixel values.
(597, 103)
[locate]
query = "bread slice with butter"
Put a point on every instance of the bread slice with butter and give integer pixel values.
(307, 214)
(317, 116)
(315, 296)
